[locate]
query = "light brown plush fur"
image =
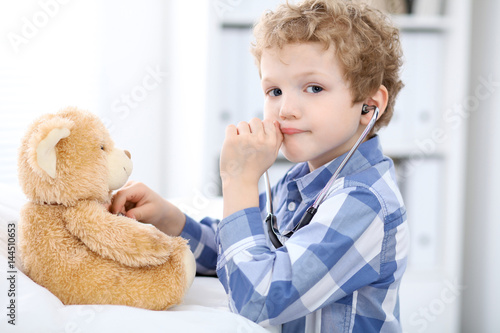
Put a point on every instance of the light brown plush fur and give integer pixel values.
(69, 243)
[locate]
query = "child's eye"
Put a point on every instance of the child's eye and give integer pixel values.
(314, 89)
(275, 92)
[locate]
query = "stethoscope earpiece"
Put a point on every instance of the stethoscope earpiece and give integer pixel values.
(366, 108)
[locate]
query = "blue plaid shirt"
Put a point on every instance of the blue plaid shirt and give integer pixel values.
(340, 273)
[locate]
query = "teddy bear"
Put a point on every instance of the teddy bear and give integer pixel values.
(68, 241)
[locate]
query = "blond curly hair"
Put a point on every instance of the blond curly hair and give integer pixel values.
(366, 43)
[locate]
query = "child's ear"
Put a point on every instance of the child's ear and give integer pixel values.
(379, 99)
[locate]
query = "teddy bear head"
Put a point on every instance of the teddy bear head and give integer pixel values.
(69, 156)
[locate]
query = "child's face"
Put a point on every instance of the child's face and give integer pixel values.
(304, 91)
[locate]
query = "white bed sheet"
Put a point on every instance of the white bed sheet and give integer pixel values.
(204, 308)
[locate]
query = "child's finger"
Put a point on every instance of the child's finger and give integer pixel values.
(124, 197)
(231, 130)
(272, 128)
(256, 126)
(279, 135)
(269, 127)
(134, 214)
(243, 128)
(117, 203)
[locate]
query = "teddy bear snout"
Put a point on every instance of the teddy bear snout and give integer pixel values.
(128, 154)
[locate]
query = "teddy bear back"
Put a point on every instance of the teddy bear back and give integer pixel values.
(62, 158)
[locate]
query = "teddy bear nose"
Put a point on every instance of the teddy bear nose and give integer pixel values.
(127, 153)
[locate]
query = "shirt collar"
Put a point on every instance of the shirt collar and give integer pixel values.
(309, 184)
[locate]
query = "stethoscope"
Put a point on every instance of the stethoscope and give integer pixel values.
(325, 192)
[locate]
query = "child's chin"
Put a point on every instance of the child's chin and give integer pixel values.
(293, 157)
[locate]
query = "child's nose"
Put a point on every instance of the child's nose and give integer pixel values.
(290, 108)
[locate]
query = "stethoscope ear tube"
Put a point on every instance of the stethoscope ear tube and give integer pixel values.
(306, 218)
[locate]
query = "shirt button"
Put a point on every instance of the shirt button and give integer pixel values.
(291, 206)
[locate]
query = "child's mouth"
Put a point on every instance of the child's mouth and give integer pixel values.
(291, 131)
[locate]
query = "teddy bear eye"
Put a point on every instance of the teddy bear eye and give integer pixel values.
(102, 147)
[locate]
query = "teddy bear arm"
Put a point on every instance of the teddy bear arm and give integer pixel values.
(117, 237)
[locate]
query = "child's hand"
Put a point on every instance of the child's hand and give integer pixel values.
(249, 149)
(137, 201)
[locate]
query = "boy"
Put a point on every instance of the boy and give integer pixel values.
(320, 62)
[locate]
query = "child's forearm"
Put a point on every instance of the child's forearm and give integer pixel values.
(238, 195)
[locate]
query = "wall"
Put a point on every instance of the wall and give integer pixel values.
(482, 230)
(140, 66)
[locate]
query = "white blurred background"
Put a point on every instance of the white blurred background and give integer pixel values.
(167, 77)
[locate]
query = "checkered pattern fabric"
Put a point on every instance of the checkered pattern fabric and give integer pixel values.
(341, 273)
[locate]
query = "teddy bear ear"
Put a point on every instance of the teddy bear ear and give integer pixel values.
(46, 150)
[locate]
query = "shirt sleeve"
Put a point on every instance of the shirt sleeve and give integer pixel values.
(340, 251)
(201, 237)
